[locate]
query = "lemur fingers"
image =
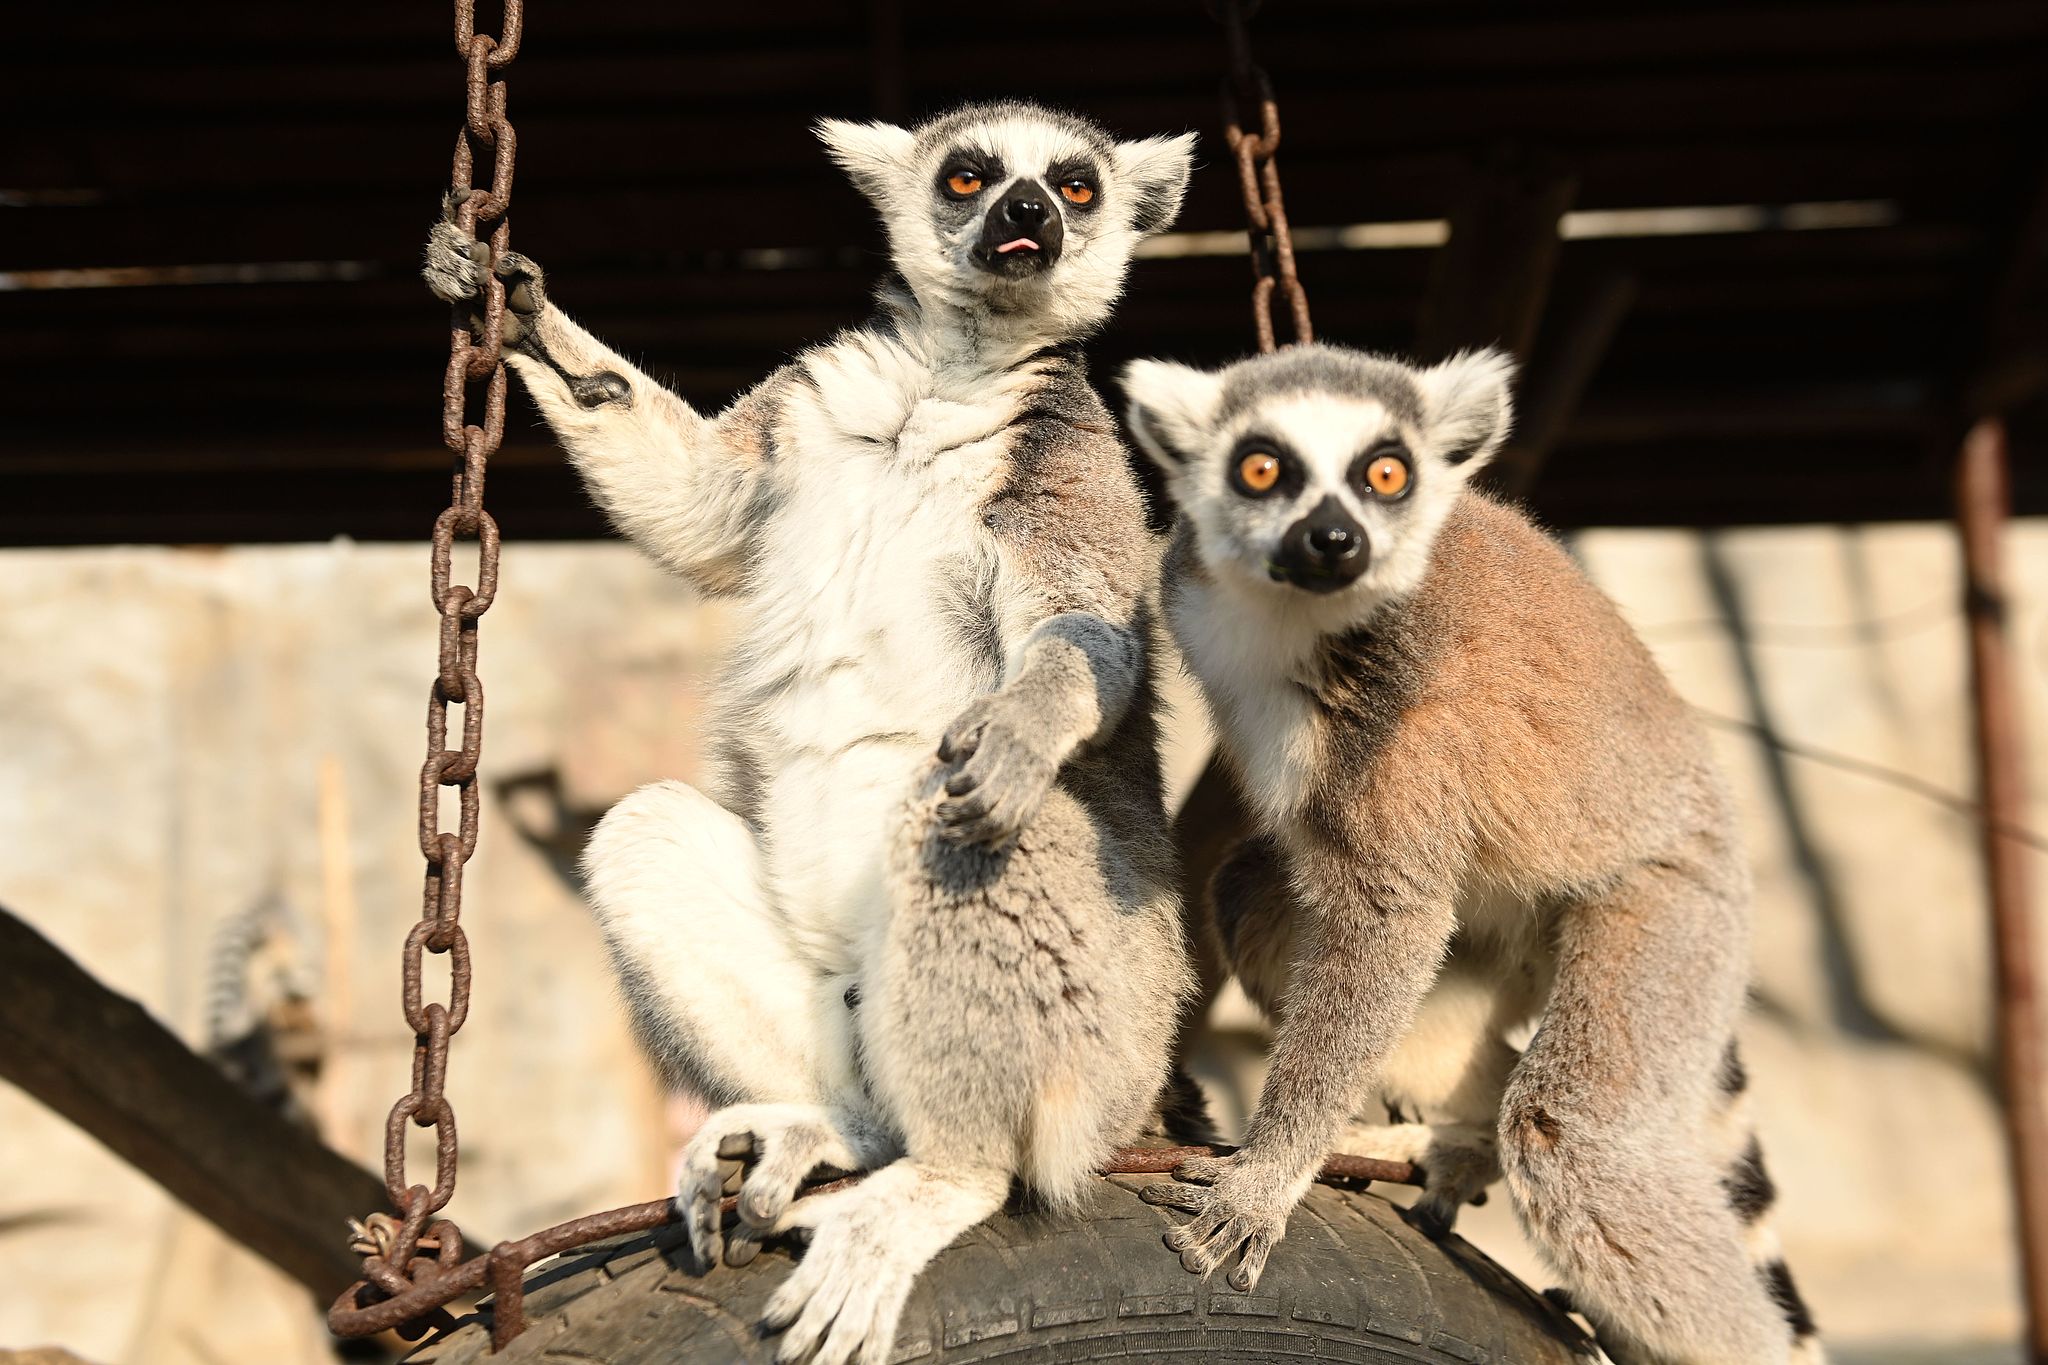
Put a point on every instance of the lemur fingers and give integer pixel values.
(1003, 777)
(1204, 1170)
(1238, 1211)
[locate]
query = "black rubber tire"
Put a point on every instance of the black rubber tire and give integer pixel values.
(1352, 1281)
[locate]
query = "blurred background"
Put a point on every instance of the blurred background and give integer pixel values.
(1765, 265)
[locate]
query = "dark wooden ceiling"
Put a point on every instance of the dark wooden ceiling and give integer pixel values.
(1762, 376)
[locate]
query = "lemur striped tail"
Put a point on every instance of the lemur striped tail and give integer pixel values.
(1752, 1194)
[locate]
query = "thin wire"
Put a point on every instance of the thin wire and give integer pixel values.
(1816, 634)
(1877, 772)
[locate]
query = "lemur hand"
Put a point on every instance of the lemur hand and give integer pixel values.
(1243, 1205)
(455, 266)
(1007, 765)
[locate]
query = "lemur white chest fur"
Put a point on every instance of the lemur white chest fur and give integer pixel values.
(877, 622)
(1252, 666)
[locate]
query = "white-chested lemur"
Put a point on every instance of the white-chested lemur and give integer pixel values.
(924, 921)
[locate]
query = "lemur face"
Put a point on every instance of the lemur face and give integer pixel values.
(1318, 470)
(1014, 206)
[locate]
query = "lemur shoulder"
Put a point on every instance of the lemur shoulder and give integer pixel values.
(1480, 806)
(924, 920)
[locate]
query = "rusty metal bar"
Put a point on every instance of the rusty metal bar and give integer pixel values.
(1983, 502)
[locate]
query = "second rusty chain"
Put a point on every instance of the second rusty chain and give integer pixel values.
(1248, 102)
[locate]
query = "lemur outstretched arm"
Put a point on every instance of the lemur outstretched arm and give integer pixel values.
(686, 488)
(1370, 938)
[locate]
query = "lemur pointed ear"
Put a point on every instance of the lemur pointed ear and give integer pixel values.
(1172, 408)
(1157, 170)
(874, 155)
(1470, 405)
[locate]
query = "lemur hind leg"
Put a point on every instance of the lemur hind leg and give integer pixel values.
(1457, 1160)
(726, 1009)
(1603, 1128)
(1056, 957)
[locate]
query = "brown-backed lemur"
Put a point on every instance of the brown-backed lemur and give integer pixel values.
(925, 921)
(1479, 805)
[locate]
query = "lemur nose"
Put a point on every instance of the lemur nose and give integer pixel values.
(1025, 212)
(1332, 544)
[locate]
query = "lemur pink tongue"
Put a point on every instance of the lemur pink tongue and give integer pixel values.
(1021, 244)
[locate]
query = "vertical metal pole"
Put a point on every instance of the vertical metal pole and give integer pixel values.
(1983, 498)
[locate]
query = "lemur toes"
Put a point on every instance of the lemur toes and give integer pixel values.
(1245, 1278)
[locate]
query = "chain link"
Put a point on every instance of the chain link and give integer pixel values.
(1258, 173)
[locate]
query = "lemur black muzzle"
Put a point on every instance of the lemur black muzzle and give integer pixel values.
(1022, 233)
(1322, 552)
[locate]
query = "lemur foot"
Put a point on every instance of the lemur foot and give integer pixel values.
(455, 263)
(845, 1298)
(777, 1146)
(1235, 1205)
(1458, 1161)
(1004, 771)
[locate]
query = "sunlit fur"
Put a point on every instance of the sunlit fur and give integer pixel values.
(925, 915)
(1480, 808)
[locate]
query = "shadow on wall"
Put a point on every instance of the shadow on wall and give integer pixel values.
(537, 806)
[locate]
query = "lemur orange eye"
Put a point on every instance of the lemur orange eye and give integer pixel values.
(964, 183)
(1388, 476)
(1258, 471)
(1077, 191)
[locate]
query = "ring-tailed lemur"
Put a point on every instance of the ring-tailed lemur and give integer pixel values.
(927, 918)
(1480, 805)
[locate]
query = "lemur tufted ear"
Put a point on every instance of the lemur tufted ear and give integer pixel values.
(1470, 406)
(1156, 170)
(1172, 408)
(875, 155)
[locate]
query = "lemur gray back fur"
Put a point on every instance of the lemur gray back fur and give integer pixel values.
(1481, 806)
(924, 919)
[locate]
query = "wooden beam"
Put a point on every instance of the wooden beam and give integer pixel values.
(1490, 280)
(100, 1060)
(1552, 388)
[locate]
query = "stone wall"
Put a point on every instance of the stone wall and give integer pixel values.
(189, 735)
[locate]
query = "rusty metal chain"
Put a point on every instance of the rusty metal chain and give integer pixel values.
(1247, 87)
(393, 1246)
